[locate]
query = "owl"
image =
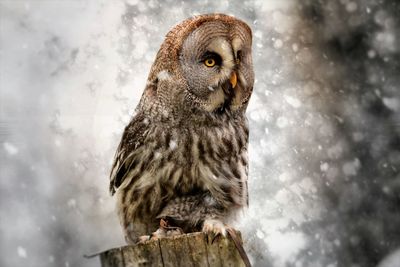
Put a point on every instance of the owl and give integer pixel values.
(182, 161)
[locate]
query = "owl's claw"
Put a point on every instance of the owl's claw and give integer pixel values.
(143, 239)
(215, 228)
(159, 234)
(166, 230)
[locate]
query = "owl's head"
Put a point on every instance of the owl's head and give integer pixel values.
(205, 62)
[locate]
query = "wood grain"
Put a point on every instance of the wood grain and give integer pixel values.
(194, 249)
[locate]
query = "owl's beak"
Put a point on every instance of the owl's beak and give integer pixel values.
(233, 79)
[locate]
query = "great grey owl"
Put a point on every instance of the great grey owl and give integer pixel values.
(182, 160)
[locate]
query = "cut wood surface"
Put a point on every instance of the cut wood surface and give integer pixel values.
(194, 249)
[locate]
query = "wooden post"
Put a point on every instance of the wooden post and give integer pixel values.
(194, 249)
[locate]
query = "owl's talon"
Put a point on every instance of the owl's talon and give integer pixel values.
(165, 230)
(161, 232)
(215, 238)
(170, 230)
(214, 228)
(143, 239)
(175, 232)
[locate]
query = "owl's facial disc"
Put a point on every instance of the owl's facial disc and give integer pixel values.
(216, 64)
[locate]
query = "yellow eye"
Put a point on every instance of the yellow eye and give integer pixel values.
(209, 62)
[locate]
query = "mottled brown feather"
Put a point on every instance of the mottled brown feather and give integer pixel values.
(183, 156)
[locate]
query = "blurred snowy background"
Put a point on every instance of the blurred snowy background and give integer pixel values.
(324, 120)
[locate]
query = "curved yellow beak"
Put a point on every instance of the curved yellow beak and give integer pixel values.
(233, 79)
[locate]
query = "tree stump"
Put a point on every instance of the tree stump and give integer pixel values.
(194, 249)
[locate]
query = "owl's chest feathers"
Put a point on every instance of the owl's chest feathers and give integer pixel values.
(197, 158)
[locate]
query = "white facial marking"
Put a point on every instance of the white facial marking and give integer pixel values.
(242, 80)
(236, 44)
(215, 99)
(223, 48)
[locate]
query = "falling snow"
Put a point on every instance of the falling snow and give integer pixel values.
(10, 148)
(163, 75)
(21, 252)
(294, 102)
(172, 144)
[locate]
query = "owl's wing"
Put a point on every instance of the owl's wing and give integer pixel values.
(132, 138)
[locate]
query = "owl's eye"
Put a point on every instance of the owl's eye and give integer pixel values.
(209, 62)
(211, 59)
